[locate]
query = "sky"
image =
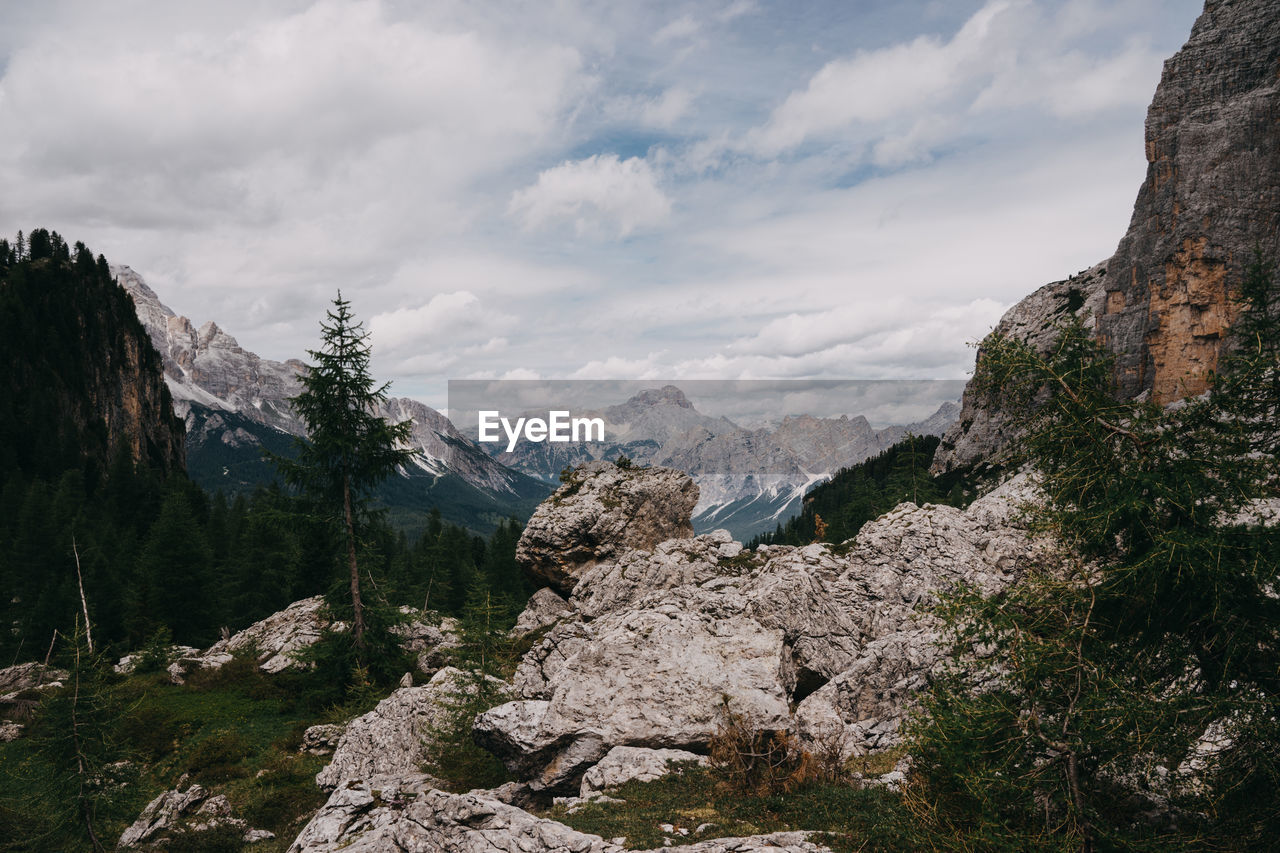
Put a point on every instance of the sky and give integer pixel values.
(731, 189)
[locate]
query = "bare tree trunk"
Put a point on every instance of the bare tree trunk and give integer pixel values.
(357, 624)
(86, 806)
(84, 603)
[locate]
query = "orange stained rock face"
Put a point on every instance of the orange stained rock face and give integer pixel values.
(1189, 313)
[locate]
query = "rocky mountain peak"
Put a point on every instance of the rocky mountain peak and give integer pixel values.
(666, 395)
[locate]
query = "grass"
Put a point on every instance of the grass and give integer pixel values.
(235, 731)
(857, 819)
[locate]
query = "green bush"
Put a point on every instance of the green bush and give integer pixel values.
(218, 758)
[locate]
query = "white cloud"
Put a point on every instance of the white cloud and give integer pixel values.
(590, 192)
(679, 29)
(879, 84)
(454, 319)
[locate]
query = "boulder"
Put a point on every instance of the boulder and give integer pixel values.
(600, 513)
(322, 739)
(625, 764)
(276, 639)
(545, 608)
(392, 739)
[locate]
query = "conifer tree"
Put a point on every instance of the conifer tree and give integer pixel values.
(349, 448)
(1158, 625)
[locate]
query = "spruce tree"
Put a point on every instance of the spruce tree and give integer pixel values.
(349, 447)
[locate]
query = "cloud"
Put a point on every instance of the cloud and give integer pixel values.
(875, 85)
(681, 28)
(454, 319)
(590, 192)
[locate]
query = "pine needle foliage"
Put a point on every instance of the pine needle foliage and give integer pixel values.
(1130, 691)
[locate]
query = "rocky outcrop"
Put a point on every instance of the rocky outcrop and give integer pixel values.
(1211, 195)
(278, 641)
(663, 644)
(29, 676)
(192, 810)
(654, 650)
(983, 429)
(600, 513)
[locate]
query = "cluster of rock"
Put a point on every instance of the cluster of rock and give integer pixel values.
(652, 645)
(21, 687)
(277, 641)
(185, 810)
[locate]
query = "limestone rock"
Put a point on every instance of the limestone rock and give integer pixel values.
(322, 739)
(1211, 194)
(1163, 302)
(190, 810)
(391, 739)
(659, 640)
(278, 637)
(544, 609)
(624, 764)
(10, 731)
(27, 676)
(656, 677)
(129, 663)
(406, 814)
(600, 513)
(983, 430)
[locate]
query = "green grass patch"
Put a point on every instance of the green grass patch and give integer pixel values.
(857, 819)
(235, 731)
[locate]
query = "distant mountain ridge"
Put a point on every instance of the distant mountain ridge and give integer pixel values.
(749, 479)
(235, 403)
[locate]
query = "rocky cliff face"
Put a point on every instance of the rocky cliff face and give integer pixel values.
(1163, 302)
(1212, 194)
(82, 381)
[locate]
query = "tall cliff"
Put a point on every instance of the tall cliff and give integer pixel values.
(1211, 195)
(82, 382)
(1163, 302)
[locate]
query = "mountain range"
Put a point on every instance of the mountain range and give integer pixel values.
(749, 479)
(235, 404)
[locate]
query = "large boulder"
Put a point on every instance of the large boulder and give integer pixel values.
(392, 739)
(601, 512)
(625, 764)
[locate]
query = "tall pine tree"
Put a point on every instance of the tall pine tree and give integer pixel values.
(349, 448)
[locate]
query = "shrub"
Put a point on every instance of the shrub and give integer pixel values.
(760, 763)
(218, 758)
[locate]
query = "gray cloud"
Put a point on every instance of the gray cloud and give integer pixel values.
(712, 189)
